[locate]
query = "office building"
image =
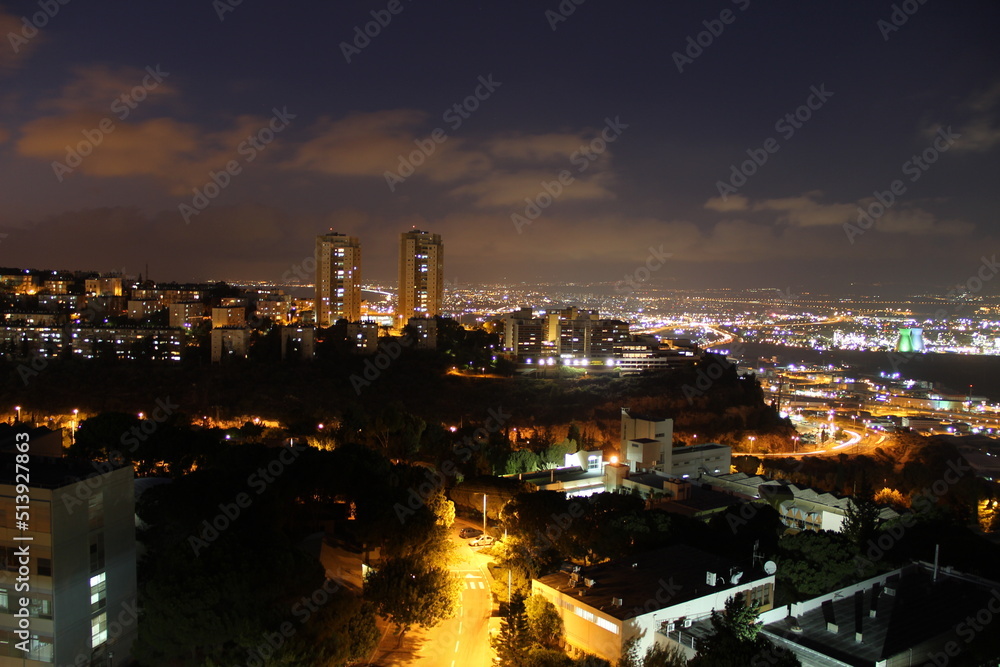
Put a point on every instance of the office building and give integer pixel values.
(338, 278)
(421, 276)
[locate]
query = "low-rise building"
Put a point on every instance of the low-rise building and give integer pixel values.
(915, 615)
(799, 508)
(604, 606)
(229, 343)
(299, 341)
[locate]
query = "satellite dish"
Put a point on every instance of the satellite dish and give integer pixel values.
(736, 578)
(770, 567)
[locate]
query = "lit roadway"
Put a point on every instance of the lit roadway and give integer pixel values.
(726, 336)
(462, 641)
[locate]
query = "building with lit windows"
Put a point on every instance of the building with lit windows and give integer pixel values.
(423, 331)
(126, 343)
(229, 343)
(82, 602)
(525, 336)
(298, 342)
(647, 596)
(186, 314)
(107, 285)
(421, 276)
(338, 278)
(229, 316)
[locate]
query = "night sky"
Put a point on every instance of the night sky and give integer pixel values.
(886, 93)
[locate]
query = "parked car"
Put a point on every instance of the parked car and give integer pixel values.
(470, 532)
(482, 541)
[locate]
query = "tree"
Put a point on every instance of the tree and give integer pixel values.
(748, 465)
(408, 592)
(887, 496)
(659, 656)
(545, 626)
(514, 638)
(735, 640)
(816, 563)
(861, 519)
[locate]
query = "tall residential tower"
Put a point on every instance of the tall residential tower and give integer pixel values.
(421, 276)
(338, 278)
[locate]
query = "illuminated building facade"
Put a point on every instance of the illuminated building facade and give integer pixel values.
(338, 278)
(82, 598)
(421, 276)
(910, 340)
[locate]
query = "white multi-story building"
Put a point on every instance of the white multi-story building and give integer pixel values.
(79, 528)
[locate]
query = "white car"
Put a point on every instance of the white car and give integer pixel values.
(482, 541)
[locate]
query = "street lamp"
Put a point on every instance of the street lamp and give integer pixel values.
(752, 438)
(484, 514)
(795, 444)
(17, 414)
(72, 431)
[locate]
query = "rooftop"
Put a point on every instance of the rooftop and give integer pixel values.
(50, 473)
(700, 448)
(649, 581)
(918, 610)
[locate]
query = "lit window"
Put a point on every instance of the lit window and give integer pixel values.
(98, 630)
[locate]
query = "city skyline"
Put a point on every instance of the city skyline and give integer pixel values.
(735, 144)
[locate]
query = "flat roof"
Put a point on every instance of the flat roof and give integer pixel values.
(647, 418)
(919, 610)
(678, 571)
(700, 448)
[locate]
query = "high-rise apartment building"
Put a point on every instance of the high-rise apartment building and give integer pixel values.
(421, 276)
(79, 529)
(338, 278)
